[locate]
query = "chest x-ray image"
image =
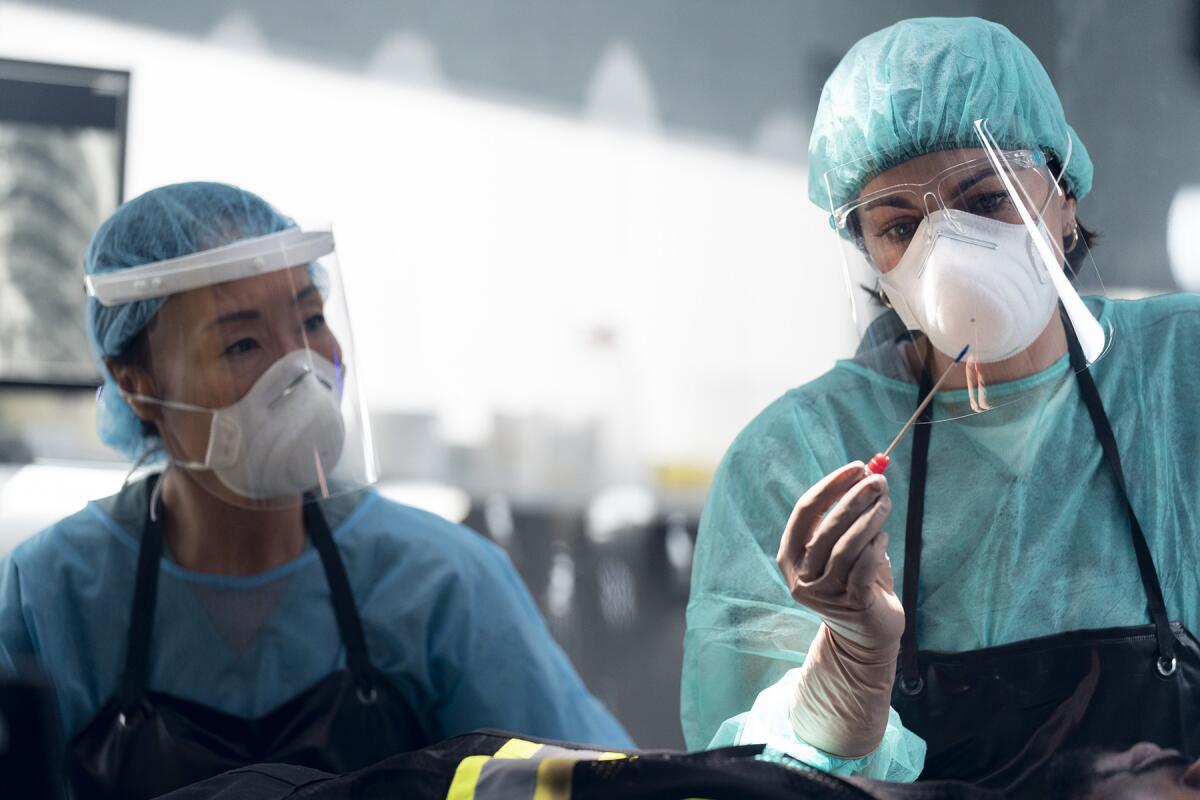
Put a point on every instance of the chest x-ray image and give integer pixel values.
(62, 151)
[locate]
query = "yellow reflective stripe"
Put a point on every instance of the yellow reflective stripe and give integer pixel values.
(611, 756)
(554, 779)
(517, 748)
(465, 778)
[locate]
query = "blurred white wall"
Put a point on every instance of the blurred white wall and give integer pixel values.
(35, 496)
(500, 259)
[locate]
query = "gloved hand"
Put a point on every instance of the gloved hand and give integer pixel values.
(836, 565)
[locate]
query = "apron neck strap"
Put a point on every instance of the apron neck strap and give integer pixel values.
(145, 599)
(910, 673)
(909, 669)
(1145, 562)
(348, 621)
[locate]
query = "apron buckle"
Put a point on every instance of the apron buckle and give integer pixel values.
(912, 687)
(1166, 666)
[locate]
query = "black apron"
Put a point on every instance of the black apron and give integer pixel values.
(143, 743)
(996, 716)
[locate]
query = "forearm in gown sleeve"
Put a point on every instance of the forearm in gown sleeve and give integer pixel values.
(843, 696)
(747, 639)
(833, 556)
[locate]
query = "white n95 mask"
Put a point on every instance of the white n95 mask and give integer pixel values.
(972, 281)
(282, 437)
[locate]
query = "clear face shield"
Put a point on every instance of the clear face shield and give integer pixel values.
(971, 248)
(248, 369)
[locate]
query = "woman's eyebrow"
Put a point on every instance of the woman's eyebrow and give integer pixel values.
(971, 180)
(893, 201)
(235, 316)
(249, 314)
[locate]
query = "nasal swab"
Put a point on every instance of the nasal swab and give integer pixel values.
(879, 462)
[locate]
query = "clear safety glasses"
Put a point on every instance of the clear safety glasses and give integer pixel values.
(883, 219)
(971, 247)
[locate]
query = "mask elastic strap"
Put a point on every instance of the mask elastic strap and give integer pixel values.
(157, 493)
(178, 406)
(1066, 160)
(155, 499)
(141, 460)
(174, 404)
(198, 466)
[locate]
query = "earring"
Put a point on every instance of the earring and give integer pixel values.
(1074, 239)
(883, 298)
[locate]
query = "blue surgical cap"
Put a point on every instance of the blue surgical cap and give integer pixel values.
(168, 222)
(918, 87)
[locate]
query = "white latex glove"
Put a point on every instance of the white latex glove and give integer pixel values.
(836, 565)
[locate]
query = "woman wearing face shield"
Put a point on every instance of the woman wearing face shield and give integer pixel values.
(254, 600)
(1037, 589)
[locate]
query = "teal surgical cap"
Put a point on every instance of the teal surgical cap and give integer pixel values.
(167, 222)
(918, 87)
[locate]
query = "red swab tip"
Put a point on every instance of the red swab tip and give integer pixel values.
(878, 463)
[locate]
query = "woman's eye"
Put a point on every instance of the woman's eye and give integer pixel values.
(314, 323)
(900, 231)
(989, 203)
(240, 347)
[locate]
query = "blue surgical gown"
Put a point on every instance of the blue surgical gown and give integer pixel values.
(1025, 532)
(444, 612)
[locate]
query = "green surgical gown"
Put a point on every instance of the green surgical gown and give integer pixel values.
(1025, 533)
